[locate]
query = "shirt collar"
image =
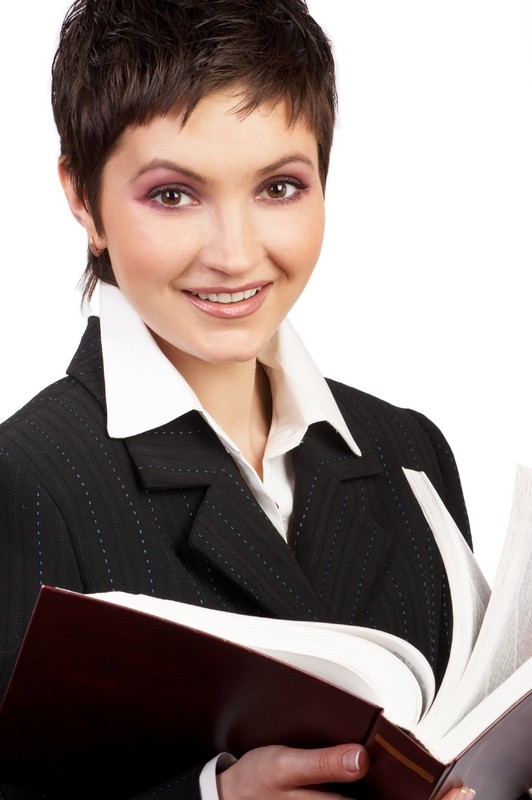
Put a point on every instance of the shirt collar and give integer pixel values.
(143, 390)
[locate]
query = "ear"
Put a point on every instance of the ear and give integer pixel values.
(78, 207)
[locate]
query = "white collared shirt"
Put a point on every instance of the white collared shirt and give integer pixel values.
(144, 390)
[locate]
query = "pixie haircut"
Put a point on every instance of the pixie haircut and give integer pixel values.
(120, 63)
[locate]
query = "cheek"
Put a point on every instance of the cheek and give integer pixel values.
(302, 241)
(314, 240)
(140, 254)
(128, 260)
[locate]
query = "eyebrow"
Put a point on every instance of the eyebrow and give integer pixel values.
(158, 163)
(282, 162)
(161, 163)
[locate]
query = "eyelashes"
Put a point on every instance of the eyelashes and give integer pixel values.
(277, 190)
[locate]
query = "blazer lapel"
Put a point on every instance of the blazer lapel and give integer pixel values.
(230, 529)
(336, 541)
(233, 531)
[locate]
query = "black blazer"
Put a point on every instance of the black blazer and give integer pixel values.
(167, 513)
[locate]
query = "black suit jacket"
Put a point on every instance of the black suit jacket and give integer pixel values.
(168, 513)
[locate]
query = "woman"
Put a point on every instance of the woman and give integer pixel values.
(194, 451)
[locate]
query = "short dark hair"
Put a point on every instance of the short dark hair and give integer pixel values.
(122, 62)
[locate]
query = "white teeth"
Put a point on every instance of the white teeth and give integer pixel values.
(226, 297)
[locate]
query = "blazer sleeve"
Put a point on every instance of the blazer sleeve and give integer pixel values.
(182, 787)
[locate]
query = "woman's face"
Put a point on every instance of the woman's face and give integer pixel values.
(213, 229)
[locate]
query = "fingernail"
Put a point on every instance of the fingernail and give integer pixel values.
(467, 794)
(351, 761)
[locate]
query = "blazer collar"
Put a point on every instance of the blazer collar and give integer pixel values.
(86, 366)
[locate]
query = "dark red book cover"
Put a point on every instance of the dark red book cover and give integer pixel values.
(128, 700)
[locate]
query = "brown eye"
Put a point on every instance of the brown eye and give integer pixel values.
(282, 189)
(277, 190)
(171, 197)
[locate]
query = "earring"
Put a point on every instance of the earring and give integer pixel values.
(94, 250)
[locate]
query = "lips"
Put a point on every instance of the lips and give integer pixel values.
(242, 302)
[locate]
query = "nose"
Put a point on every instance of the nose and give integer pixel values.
(232, 241)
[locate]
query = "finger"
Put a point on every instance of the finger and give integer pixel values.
(339, 764)
(465, 793)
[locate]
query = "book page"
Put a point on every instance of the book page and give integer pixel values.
(468, 587)
(505, 639)
(357, 665)
(410, 655)
(485, 714)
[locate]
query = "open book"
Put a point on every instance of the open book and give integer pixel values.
(103, 680)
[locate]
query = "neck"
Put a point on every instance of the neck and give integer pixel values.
(238, 397)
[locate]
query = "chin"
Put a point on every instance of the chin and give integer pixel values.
(240, 352)
(238, 357)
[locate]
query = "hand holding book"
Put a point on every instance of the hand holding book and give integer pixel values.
(277, 773)
(298, 684)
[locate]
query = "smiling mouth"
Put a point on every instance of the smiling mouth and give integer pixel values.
(227, 297)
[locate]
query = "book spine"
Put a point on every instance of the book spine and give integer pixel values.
(401, 768)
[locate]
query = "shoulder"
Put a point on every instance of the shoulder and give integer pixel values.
(378, 421)
(55, 427)
(41, 405)
(62, 421)
(403, 437)
(62, 399)
(71, 403)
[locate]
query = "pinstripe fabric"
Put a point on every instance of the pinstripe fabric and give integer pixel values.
(167, 513)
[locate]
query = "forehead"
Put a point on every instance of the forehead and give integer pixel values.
(218, 134)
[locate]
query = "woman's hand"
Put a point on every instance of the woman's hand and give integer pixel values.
(285, 773)
(277, 772)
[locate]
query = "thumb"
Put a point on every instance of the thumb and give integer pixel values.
(275, 771)
(465, 793)
(338, 764)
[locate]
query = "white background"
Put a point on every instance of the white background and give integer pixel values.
(425, 275)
